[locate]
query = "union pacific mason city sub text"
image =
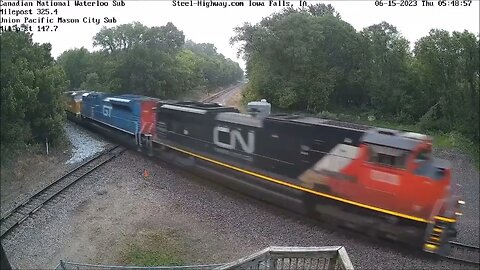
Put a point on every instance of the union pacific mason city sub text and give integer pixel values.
(60, 20)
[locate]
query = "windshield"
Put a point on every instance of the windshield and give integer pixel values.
(426, 165)
(423, 155)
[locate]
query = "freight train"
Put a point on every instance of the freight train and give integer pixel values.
(379, 181)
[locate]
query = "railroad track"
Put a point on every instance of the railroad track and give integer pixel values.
(20, 213)
(218, 94)
(464, 254)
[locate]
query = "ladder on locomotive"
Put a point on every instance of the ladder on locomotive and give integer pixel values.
(144, 132)
(436, 233)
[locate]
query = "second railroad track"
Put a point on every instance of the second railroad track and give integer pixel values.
(464, 254)
(220, 93)
(25, 209)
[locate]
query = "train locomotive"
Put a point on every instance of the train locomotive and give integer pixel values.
(378, 180)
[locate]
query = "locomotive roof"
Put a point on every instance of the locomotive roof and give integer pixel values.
(96, 94)
(317, 121)
(391, 138)
(135, 97)
(109, 97)
(239, 118)
(197, 107)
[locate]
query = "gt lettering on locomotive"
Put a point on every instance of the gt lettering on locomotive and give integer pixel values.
(107, 110)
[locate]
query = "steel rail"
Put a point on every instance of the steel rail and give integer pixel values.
(220, 93)
(29, 206)
(463, 254)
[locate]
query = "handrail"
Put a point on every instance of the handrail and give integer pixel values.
(335, 254)
(274, 257)
(64, 266)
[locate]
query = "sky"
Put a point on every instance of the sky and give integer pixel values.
(215, 24)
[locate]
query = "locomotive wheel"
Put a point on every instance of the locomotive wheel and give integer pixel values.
(309, 203)
(310, 200)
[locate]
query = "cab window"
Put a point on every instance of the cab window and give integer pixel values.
(422, 156)
(387, 156)
(425, 166)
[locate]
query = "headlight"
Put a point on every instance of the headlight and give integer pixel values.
(461, 202)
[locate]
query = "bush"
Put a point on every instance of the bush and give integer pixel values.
(32, 85)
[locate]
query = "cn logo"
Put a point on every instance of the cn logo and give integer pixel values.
(235, 137)
(107, 110)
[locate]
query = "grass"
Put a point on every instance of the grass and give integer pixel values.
(158, 249)
(455, 140)
(141, 257)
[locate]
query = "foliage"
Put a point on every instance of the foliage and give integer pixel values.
(309, 59)
(152, 61)
(31, 89)
(159, 249)
(449, 68)
(299, 58)
(444, 140)
(138, 256)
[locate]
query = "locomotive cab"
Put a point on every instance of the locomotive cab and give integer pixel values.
(394, 174)
(420, 183)
(401, 164)
(391, 170)
(73, 99)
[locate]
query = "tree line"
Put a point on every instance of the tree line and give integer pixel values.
(31, 92)
(152, 61)
(132, 58)
(309, 59)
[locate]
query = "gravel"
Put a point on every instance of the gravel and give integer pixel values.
(101, 215)
(84, 144)
(32, 172)
(467, 176)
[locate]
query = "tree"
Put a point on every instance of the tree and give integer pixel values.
(299, 58)
(308, 59)
(32, 85)
(77, 64)
(152, 61)
(449, 69)
(386, 67)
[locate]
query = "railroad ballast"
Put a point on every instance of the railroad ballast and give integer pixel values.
(365, 178)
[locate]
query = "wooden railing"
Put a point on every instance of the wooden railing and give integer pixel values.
(304, 258)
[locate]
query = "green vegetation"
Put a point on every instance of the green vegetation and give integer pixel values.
(445, 140)
(153, 61)
(133, 59)
(31, 89)
(310, 60)
(158, 250)
(305, 59)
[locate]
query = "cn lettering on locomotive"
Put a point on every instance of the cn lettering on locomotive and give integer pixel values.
(233, 137)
